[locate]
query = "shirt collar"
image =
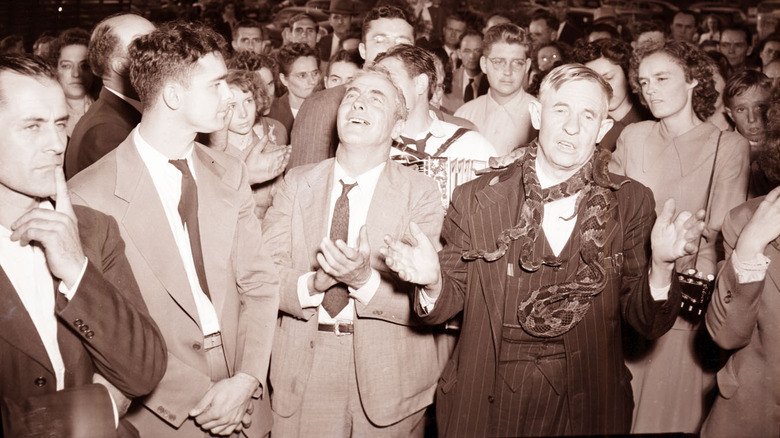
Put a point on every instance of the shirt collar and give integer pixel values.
(366, 181)
(135, 103)
(155, 160)
(437, 128)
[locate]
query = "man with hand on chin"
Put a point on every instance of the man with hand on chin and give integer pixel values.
(72, 312)
(547, 259)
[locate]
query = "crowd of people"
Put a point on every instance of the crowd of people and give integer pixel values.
(412, 219)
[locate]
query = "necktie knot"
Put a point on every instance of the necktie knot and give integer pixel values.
(345, 188)
(182, 166)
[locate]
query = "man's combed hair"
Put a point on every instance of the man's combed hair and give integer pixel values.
(507, 33)
(289, 53)
(695, 64)
(742, 82)
(566, 73)
(769, 158)
(169, 53)
(26, 65)
(389, 12)
(248, 23)
(416, 60)
(104, 45)
(251, 61)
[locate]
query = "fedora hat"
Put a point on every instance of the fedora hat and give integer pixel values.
(343, 7)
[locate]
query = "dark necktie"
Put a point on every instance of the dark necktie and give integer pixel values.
(337, 297)
(469, 93)
(188, 211)
(418, 144)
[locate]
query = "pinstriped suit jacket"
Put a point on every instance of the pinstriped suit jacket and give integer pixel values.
(396, 355)
(599, 393)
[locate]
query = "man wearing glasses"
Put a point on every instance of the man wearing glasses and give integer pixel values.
(502, 115)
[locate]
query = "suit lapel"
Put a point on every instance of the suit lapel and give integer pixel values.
(148, 227)
(17, 326)
(496, 210)
(217, 222)
(386, 199)
(315, 204)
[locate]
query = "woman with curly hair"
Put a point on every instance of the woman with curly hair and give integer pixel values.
(674, 157)
(252, 137)
(68, 55)
(611, 58)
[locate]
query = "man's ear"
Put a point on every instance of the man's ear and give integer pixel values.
(421, 83)
(398, 128)
(283, 79)
(483, 64)
(171, 94)
(535, 108)
(234, 44)
(362, 50)
(120, 65)
(606, 125)
(286, 35)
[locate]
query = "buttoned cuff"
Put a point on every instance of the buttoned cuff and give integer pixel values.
(365, 293)
(304, 297)
(70, 293)
(749, 271)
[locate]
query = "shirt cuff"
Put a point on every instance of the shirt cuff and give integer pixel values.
(366, 292)
(69, 293)
(660, 293)
(426, 302)
(749, 271)
(304, 297)
(116, 411)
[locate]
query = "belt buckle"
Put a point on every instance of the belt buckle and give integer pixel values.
(338, 324)
(212, 341)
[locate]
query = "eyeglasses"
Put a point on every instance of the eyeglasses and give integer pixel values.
(384, 40)
(314, 75)
(501, 63)
(549, 58)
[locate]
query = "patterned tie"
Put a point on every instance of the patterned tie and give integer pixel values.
(469, 93)
(188, 211)
(337, 297)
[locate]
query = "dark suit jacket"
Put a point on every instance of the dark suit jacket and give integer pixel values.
(454, 99)
(745, 318)
(104, 329)
(323, 46)
(280, 111)
(391, 386)
(599, 393)
(101, 129)
(242, 284)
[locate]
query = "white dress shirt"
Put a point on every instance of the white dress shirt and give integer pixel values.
(167, 180)
(359, 202)
(505, 126)
(26, 268)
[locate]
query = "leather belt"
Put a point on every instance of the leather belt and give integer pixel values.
(212, 341)
(339, 328)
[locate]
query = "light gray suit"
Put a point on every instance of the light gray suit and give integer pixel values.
(397, 359)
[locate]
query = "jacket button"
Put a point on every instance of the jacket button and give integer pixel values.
(84, 328)
(78, 323)
(196, 346)
(491, 399)
(40, 381)
(311, 344)
(90, 334)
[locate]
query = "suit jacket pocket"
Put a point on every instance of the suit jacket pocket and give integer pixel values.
(449, 376)
(727, 380)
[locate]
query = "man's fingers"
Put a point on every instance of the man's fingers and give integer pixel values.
(324, 265)
(667, 213)
(364, 247)
(202, 406)
(63, 196)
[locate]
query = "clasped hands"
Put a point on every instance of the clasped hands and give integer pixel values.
(341, 264)
(227, 405)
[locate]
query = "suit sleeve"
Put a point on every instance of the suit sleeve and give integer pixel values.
(456, 239)
(277, 235)
(258, 285)
(392, 301)
(732, 314)
(109, 314)
(650, 318)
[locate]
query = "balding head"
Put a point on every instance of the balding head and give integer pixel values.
(110, 40)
